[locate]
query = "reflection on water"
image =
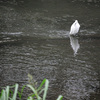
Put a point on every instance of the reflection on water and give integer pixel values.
(74, 44)
(34, 39)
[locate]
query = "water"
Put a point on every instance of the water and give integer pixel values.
(34, 38)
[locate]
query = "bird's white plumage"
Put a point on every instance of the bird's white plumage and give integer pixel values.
(74, 28)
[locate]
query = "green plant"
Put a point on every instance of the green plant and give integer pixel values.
(60, 97)
(20, 93)
(38, 93)
(5, 93)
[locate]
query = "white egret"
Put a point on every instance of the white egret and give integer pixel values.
(74, 28)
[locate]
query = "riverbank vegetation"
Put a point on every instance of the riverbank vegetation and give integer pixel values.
(37, 93)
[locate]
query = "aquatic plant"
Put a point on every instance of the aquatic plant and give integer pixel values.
(7, 94)
(38, 93)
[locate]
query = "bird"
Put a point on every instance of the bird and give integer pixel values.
(74, 28)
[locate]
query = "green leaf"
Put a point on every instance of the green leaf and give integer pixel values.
(11, 93)
(15, 92)
(43, 82)
(22, 89)
(41, 91)
(2, 95)
(20, 94)
(7, 93)
(30, 98)
(34, 91)
(60, 97)
(45, 89)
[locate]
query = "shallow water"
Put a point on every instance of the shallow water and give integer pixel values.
(34, 38)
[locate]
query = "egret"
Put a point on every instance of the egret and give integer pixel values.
(74, 28)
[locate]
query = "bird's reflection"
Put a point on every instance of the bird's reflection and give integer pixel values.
(74, 44)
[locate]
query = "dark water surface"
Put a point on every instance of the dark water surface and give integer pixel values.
(34, 39)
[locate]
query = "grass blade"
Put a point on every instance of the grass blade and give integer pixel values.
(7, 93)
(2, 97)
(45, 89)
(22, 89)
(41, 91)
(20, 94)
(35, 92)
(43, 82)
(60, 97)
(11, 93)
(30, 98)
(15, 92)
